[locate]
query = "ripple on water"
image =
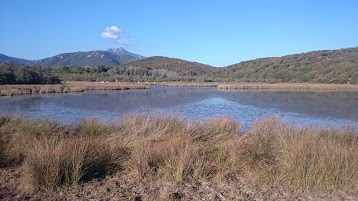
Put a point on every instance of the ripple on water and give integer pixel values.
(302, 108)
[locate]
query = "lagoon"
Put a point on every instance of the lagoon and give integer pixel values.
(333, 108)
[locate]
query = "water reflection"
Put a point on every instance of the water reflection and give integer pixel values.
(310, 107)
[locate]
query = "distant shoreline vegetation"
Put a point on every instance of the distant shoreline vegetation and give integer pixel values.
(325, 66)
(24, 74)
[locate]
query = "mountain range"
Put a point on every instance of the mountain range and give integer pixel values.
(111, 57)
(323, 66)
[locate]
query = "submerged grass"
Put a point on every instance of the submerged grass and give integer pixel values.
(168, 148)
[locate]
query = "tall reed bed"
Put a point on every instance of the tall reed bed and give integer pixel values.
(167, 148)
(13, 90)
(188, 84)
(286, 86)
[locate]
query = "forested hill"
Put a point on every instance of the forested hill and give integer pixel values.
(325, 66)
(159, 66)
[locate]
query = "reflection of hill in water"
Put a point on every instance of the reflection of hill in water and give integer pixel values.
(123, 101)
(196, 102)
(343, 104)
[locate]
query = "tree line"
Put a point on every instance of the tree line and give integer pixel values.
(24, 74)
(326, 66)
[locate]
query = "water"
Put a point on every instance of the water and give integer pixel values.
(305, 107)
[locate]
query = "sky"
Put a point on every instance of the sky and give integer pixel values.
(217, 33)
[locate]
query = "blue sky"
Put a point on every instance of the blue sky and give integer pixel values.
(218, 33)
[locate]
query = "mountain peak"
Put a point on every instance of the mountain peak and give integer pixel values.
(109, 58)
(121, 52)
(119, 49)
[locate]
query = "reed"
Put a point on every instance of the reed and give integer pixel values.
(70, 87)
(286, 86)
(167, 148)
(308, 158)
(188, 84)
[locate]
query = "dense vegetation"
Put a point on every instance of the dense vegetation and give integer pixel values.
(10, 74)
(148, 69)
(326, 66)
(174, 152)
(162, 69)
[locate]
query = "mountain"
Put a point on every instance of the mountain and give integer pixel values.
(121, 52)
(4, 58)
(109, 58)
(324, 66)
(157, 65)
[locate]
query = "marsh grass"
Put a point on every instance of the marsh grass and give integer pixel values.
(17, 134)
(94, 127)
(286, 86)
(70, 87)
(327, 159)
(53, 163)
(189, 84)
(168, 148)
(309, 158)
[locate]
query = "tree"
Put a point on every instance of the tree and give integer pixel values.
(7, 73)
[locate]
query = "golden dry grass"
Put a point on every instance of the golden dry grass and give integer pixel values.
(13, 90)
(286, 86)
(188, 84)
(167, 148)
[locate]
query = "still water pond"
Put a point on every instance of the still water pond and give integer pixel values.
(305, 107)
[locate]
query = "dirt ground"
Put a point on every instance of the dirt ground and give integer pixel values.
(118, 187)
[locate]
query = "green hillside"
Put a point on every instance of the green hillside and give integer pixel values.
(162, 69)
(325, 66)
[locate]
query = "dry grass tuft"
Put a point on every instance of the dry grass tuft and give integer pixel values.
(14, 90)
(50, 164)
(286, 86)
(95, 128)
(311, 159)
(326, 159)
(17, 134)
(167, 148)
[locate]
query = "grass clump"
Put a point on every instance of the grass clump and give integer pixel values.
(325, 159)
(170, 149)
(167, 148)
(51, 164)
(95, 128)
(16, 135)
(308, 158)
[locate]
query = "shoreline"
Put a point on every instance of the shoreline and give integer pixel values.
(264, 86)
(289, 86)
(67, 87)
(76, 87)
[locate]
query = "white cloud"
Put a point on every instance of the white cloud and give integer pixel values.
(112, 33)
